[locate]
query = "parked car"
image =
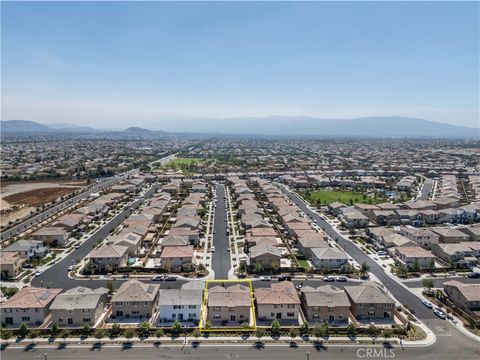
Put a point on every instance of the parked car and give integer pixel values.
(427, 303)
(341, 278)
(39, 273)
(474, 275)
(27, 266)
(382, 253)
(126, 275)
(328, 278)
(170, 278)
(440, 314)
(265, 278)
(299, 286)
(284, 278)
(158, 278)
(70, 268)
(212, 248)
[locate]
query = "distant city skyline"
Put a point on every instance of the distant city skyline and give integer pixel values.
(120, 64)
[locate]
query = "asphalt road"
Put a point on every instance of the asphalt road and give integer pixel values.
(410, 301)
(57, 275)
(442, 350)
(98, 186)
(220, 258)
(426, 189)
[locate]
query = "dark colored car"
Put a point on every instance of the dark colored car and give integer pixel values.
(284, 278)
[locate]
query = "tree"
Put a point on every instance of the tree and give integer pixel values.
(115, 330)
(351, 330)
(364, 269)
(143, 330)
(304, 329)
(110, 287)
(257, 267)
(23, 330)
(275, 328)
(159, 333)
(201, 269)
(196, 333)
(5, 333)
(55, 330)
(208, 324)
(99, 334)
(260, 333)
(387, 334)
(86, 330)
(130, 333)
(416, 266)
(428, 284)
(89, 268)
(176, 327)
(293, 333)
(402, 271)
(318, 331)
(243, 267)
(373, 331)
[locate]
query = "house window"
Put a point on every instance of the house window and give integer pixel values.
(86, 320)
(146, 303)
(316, 316)
(371, 313)
(290, 314)
(26, 318)
(192, 316)
(360, 305)
(119, 303)
(387, 305)
(216, 316)
(216, 308)
(174, 316)
(291, 306)
(241, 316)
(177, 307)
(85, 310)
(135, 312)
(272, 314)
(192, 306)
(70, 321)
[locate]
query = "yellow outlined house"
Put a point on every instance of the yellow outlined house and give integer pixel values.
(204, 311)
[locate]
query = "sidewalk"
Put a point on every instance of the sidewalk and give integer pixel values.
(234, 340)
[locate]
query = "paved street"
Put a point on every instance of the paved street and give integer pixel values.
(441, 350)
(220, 258)
(100, 185)
(426, 189)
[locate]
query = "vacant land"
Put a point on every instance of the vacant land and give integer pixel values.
(346, 197)
(38, 196)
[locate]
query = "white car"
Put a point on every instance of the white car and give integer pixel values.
(440, 314)
(212, 249)
(427, 303)
(70, 268)
(38, 273)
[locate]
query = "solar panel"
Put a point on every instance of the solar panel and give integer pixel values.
(150, 289)
(45, 295)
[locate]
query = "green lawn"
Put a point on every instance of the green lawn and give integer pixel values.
(328, 196)
(303, 263)
(184, 161)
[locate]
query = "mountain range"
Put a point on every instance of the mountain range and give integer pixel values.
(392, 126)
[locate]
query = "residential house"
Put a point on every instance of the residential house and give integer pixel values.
(135, 300)
(266, 255)
(28, 249)
(51, 235)
(29, 305)
(177, 258)
(310, 241)
(451, 235)
(109, 255)
(179, 304)
(369, 302)
(10, 264)
(280, 302)
(457, 254)
(325, 304)
(79, 306)
(411, 256)
(464, 296)
(423, 237)
(328, 258)
(230, 306)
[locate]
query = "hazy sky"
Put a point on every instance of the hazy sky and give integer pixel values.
(116, 64)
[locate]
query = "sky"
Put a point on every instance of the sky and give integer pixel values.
(156, 64)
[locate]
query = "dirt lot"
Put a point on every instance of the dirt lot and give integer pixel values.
(38, 196)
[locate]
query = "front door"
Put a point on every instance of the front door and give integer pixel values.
(279, 315)
(180, 317)
(331, 318)
(232, 317)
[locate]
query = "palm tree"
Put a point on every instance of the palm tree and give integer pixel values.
(364, 269)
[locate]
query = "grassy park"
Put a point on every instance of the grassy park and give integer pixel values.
(346, 197)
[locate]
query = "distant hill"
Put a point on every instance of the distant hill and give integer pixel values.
(392, 126)
(23, 126)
